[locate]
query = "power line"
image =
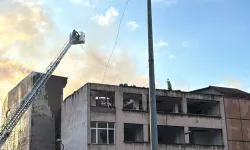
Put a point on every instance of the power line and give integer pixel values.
(98, 64)
(116, 39)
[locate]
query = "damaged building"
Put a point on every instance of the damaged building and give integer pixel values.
(109, 117)
(237, 115)
(40, 126)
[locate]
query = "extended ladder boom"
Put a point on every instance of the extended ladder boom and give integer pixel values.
(75, 38)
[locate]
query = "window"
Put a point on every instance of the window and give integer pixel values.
(166, 104)
(205, 136)
(102, 133)
(132, 101)
(170, 134)
(133, 132)
(102, 98)
(203, 107)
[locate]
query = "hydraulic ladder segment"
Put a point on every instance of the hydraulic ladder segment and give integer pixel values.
(6, 129)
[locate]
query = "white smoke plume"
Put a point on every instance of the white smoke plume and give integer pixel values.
(24, 28)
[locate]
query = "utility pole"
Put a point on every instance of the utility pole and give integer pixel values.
(152, 95)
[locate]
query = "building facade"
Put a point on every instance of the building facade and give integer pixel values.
(39, 127)
(108, 117)
(237, 112)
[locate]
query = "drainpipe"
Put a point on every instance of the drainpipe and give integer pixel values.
(225, 114)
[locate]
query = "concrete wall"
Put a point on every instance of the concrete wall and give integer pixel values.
(232, 108)
(74, 121)
(238, 122)
(163, 119)
(120, 116)
(77, 113)
(20, 137)
(36, 129)
(46, 115)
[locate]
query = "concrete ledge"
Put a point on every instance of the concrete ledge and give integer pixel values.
(146, 146)
(173, 119)
(167, 113)
(136, 111)
(189, 121)
(102, 109)
(102, 114)
(137, 117)
(102, 147)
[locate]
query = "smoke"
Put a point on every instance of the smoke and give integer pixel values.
(22, 28)
(10, 70)
(232, 82)
(91, 64)
(25, 33)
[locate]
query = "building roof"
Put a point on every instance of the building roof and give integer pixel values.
(32, 74)
(54, 76)
(227, 92)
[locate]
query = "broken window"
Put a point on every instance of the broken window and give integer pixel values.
(204, 136)
(170, 134)
(102, 133)
(132, 101)
(168, 104)
(102, 98)
(202, 107)
(133, 132)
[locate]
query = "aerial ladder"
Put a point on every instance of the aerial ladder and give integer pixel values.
(6, 129)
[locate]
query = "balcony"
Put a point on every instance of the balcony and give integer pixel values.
(189, 120)
(146, 146)
(174, 119)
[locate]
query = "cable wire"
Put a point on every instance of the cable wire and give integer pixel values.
(116, 39)
(98, 64)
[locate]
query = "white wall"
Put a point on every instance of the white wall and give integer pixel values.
(74, 125)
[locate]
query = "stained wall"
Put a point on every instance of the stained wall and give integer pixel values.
(40, 125)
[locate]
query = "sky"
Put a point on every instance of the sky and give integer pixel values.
(197, 43)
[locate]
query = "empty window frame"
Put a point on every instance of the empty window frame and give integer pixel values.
(133, 132)
(203, 107)
(205, 136)
(102, 98)
(102, 133)
(132, 101)
(170, 134)
(168, 104)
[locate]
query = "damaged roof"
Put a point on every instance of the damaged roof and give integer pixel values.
(226, 92)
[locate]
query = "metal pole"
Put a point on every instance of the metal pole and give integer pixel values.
(152, 95)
